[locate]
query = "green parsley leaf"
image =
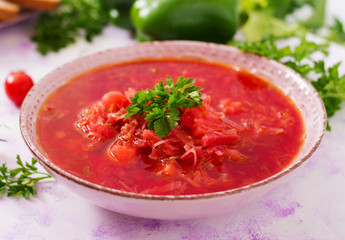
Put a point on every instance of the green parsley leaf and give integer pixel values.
(331, 87)
(162, 127)
(22, 180)
(161, 104)
(337, 32)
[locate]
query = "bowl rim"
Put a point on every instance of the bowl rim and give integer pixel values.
(50, 166)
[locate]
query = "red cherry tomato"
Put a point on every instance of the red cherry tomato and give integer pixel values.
(17, 85)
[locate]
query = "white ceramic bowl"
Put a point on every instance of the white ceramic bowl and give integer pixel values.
(293, 85)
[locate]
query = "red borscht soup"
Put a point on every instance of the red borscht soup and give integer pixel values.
(246, 129)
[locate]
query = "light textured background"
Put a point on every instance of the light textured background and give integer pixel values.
(310, 206)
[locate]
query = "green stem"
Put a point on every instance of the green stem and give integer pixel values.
(41, 178)
(333, 95)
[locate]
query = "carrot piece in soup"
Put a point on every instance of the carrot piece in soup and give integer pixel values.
(169, 168)
(123, 154)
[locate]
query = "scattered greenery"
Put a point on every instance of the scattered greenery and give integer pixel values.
(22, 180)
(326, 80)
(74, 19)
(337, 32)
(161, 104)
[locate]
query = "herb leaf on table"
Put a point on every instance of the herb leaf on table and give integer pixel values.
(21, 180)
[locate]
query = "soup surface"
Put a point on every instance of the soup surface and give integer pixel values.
(245, 131)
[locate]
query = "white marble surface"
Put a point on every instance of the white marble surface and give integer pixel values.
(310, 206)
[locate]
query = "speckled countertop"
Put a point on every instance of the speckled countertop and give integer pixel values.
(311, 206)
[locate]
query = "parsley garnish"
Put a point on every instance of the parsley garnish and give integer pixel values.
(21, 180)
(326, 80)
(161, 104)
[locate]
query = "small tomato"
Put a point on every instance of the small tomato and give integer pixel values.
(17, 85)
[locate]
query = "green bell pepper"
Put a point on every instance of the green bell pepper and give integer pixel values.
(204, 20)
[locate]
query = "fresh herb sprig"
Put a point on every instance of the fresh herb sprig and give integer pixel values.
(330, 85)
(22, 180)
(337, 32)
(286, 55)
(72, 20)
(327, 80)
(161, 104)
